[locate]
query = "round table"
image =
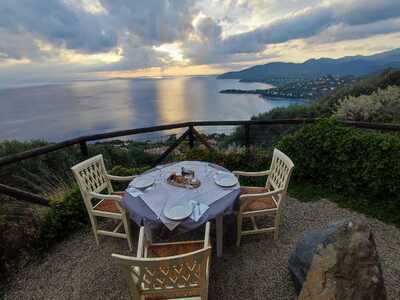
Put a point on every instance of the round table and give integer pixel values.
(146, 209)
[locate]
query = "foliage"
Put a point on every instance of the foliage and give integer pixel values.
(380, 106)
(346, 160)
(67, 213)
(326, 105)
(366, 86)
(131, 154)
(40, 174)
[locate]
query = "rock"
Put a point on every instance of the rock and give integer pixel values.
(301, 259)
(345, 264)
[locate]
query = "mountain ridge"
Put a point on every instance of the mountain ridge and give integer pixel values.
(357, 65)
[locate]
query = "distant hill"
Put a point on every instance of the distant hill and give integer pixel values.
(325, 106)
(350, 65)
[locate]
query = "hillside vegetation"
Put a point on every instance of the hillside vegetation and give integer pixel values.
(381, 106)
(327, 105)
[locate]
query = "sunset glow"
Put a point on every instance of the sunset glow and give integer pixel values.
(106, 39)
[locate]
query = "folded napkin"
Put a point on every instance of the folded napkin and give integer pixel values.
(134, 192)
(198, 210)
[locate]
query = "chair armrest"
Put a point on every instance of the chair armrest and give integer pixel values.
(141, 243)
(120, 178)
(207, 235)
(251, 174)
(245, 199)
(103, 196)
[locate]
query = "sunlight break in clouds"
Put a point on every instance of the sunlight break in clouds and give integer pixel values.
(97, 38)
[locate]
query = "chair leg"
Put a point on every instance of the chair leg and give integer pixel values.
(127, 225)
(239, 230)
(276, 225)
(93, 221)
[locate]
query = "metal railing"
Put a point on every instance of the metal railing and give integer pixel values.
(191, 134)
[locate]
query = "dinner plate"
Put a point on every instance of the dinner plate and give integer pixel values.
(142, 182)
(178, 211)
(225, 180)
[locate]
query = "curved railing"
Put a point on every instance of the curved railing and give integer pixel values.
(191, 134)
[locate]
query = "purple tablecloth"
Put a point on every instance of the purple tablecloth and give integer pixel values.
(141, 213)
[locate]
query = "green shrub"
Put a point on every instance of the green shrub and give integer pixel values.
(40, 174)
(346, 160)
(380, 106)
(67, 213)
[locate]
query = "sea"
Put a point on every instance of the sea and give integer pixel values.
(55, 112)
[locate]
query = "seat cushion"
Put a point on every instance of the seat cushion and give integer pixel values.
(260, 203)
(164, 250)
(109, 205)
(175, 295)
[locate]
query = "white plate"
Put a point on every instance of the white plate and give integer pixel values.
(225, 180)
(142, 182)
(178, 211)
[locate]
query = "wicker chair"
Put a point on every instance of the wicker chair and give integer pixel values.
(260, 201)
(92, 179)
(168, 270)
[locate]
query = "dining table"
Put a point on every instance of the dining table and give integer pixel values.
(150, 206)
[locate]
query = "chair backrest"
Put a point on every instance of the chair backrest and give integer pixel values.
(281, 170)
(181, 273)
(91, 176)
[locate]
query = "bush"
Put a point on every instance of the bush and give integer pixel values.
(346, 160)
(67, 213)
(40, 174)
(380, 106)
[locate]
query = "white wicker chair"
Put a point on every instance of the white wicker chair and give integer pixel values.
(259, 201)
(168, 270)
(92, 179)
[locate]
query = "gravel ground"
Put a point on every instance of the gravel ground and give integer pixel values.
(77, 269)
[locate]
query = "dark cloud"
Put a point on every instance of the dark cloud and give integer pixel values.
(302, 24)
(59, 24)
(343, 32)
(154, 21)
(312, 21)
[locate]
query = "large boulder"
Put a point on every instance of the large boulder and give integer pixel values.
(340, 262)
(301, 259)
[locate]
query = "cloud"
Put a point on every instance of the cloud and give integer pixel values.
(343, 32)
(302, 24)
(153, 21)
(59, 24)
(221, 32)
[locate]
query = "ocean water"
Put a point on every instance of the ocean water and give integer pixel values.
(58, 112)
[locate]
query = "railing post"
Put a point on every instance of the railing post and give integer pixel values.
(247, 136)
(191, 137)
(84, 149)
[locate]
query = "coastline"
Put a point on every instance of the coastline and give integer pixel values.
(266, 94)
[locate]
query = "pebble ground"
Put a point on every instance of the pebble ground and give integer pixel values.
(77, 269)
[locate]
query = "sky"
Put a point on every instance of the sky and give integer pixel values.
(62, 40)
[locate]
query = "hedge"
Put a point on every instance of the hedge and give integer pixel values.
(346, 160)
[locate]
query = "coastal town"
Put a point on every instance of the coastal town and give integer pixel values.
(299, 88)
